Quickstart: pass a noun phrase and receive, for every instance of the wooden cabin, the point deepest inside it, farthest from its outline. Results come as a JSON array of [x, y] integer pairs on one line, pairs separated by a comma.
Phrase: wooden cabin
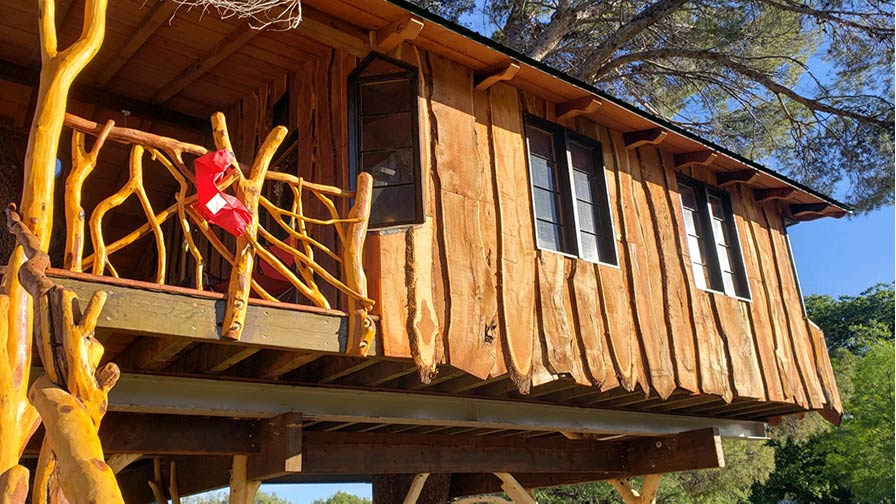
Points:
[[457, 260]]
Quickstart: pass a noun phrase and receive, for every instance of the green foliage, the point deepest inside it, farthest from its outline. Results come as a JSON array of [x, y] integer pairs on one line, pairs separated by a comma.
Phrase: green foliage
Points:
[[342, 498], [861, 450], [852, 322]]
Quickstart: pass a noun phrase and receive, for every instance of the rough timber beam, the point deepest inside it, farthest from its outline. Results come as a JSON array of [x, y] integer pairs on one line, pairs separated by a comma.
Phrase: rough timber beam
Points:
[[725, 179], [687, 451], [164, 394], [653, 136], [777, 193], [279, 447], [699, 158], [222, 50], [391, 36], [174, 435], [581, 106], [154, 19], [488, 77]]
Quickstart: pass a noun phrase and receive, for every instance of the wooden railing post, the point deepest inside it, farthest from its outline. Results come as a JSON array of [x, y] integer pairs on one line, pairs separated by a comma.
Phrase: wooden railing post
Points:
[[248, 192], [83, 162], [361, 329]]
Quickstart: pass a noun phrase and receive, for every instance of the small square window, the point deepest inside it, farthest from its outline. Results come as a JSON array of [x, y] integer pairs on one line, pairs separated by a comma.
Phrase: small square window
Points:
[[384, 138], [712, 238], [569, 194]]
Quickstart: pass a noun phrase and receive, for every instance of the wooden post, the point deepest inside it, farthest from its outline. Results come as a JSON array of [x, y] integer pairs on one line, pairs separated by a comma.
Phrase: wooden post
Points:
[[18, 419], [416, 487], [242, 489], [72, 397], [248, 192], [83, 162], [649, 488], [513, 489], [361, 329]]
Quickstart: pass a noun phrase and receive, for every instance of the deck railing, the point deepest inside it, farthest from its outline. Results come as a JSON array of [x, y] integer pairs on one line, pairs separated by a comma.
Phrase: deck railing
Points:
[[297, 243]]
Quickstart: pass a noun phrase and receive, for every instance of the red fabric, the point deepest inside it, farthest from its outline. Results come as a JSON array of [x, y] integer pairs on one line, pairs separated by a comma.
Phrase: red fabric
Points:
[[215, 206]]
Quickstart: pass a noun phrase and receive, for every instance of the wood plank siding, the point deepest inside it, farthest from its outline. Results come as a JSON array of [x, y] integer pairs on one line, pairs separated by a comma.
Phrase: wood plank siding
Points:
[[541, 316]]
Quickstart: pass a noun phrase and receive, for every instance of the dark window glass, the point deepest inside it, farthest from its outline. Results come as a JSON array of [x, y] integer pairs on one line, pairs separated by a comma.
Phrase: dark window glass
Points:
[[712, 239], [384, 140], [569, 192]]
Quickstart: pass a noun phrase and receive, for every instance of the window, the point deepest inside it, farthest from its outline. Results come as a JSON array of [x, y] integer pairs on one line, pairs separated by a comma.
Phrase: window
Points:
[[384, 140], [712, 239], [569, 192]]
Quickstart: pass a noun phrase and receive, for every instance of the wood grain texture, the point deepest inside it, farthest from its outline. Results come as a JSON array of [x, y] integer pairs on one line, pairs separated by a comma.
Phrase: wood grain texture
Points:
[[734, 324], [390, 289], [655, 180], [615, 304], [517, 243], [561, 352], [768, 282], [469, 345], [793, 308], [592, 326], [642, 267], [488, 221], [762, 328]]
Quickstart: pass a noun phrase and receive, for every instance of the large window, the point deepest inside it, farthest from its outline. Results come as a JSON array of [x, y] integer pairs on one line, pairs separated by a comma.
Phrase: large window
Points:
[[384, 140], [569, 193], [712, 239]]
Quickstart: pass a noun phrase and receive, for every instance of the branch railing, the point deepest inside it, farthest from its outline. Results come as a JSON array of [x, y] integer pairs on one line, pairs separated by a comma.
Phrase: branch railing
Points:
[[286, 232]]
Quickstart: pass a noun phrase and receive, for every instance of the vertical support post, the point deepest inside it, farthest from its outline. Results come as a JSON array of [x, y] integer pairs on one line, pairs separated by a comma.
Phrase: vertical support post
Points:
[[248, 192], [415, 489], [242, 489], [513, 489], [649, 488], [361, 329], [83, 162], [18, 418]]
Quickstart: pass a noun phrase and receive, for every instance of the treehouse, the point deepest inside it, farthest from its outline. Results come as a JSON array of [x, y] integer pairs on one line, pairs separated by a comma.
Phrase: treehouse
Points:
[[371, 247]]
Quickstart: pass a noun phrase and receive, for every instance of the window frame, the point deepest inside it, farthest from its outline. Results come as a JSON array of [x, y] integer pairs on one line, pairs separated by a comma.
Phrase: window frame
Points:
[[715, 283], [355, 119], [605, 237]]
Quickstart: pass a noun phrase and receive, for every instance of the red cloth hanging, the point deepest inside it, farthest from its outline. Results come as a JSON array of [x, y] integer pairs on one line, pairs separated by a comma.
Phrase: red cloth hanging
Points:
[[215, 206]]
